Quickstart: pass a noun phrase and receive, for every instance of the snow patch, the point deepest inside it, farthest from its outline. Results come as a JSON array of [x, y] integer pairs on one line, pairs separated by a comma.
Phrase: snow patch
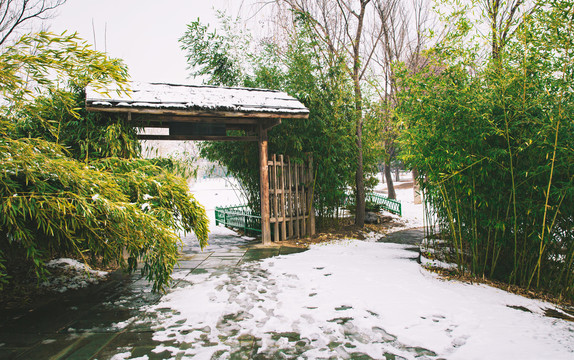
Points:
[[70, 274]]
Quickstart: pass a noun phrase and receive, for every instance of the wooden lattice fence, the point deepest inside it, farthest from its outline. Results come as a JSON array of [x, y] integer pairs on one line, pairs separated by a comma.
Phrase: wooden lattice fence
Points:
[[291, 198]]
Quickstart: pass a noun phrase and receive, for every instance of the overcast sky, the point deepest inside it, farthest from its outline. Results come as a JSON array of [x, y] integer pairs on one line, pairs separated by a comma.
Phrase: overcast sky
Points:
[[144, 33]]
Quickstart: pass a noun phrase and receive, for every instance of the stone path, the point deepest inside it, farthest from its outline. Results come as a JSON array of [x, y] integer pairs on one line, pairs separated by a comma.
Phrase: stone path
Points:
[[407, 237], [87, 323], [98, 322]]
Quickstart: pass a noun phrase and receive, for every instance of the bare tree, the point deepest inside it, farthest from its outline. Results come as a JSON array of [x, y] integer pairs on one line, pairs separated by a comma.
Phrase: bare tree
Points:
[[341, 25], [14, 14], [403, 25], [502, 17]]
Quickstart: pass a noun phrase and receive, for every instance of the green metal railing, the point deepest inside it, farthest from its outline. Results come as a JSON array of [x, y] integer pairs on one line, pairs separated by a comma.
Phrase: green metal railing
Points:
[[238, 217], [390, 205], [241, 217]]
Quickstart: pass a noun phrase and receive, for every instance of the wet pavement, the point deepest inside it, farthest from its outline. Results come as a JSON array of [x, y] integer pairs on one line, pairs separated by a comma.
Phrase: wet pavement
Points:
[[90, 323], [407, 237], [109, 319]]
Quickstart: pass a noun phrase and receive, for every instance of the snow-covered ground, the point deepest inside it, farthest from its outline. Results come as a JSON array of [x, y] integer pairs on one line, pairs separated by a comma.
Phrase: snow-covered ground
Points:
[[412, 216], [214, 192], [351, 298], [69, 274]]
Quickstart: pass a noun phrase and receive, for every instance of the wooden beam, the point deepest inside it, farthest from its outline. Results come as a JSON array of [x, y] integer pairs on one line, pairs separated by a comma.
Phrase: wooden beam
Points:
[[247, 128], [201, 113], [264, 187], [198, 137], [154, 118]]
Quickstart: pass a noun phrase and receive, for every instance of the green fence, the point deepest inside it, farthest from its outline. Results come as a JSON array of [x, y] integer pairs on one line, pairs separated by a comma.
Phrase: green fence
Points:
[[390, 205], [240, 217]]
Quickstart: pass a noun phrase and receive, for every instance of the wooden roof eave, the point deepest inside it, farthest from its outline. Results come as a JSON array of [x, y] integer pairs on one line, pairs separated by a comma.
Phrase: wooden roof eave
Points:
[[172, 106], [237, 115]]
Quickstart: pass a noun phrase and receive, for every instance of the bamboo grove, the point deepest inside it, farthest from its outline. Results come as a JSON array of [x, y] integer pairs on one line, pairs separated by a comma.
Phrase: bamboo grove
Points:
[[493, 143], [72, 183]]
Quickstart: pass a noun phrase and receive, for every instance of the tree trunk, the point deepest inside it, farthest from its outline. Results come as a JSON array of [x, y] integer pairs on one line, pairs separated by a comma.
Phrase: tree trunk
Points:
[[398, 174], [360, 184], [382, 167], [416, 188], [360, 210], [391, 194]]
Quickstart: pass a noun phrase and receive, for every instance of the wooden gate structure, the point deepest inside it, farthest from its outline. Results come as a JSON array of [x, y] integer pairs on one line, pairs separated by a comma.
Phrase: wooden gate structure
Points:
[[210, 113], [291, 198]]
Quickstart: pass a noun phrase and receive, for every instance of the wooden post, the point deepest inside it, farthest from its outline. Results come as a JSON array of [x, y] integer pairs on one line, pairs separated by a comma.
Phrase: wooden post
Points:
[[290, 210], [311, 228], [282, 206], [274, 202], [297, 203], [264, 186], [302, 181]]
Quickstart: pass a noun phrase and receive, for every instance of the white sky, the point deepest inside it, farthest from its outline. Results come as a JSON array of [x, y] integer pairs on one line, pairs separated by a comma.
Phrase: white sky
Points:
[[144, 33]]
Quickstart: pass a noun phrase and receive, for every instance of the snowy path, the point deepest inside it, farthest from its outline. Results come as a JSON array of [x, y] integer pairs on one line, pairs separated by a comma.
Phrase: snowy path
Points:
[[354, 299], [351, 299]]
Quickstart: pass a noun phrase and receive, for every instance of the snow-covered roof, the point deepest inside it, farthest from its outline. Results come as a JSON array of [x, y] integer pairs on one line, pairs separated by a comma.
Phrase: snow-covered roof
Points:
[[159, 98]]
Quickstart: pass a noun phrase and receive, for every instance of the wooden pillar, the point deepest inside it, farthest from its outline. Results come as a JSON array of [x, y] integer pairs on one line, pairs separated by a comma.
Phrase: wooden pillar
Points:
[[311, 181], [275, 200], [290, 207], [264, 186], [283, 202]]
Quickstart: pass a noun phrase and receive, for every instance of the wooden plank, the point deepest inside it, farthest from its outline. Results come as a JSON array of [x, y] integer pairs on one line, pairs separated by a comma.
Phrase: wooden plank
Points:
[[297, 216], [198, 137], [163, 118], [278, 191], [250, 130], [264, 186], [312, 194], [303, 201], [282, 202], [290, 197], [275, 203]]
